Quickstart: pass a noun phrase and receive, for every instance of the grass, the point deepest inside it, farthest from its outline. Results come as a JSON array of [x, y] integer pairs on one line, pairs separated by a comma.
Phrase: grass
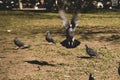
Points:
[[99, 30]]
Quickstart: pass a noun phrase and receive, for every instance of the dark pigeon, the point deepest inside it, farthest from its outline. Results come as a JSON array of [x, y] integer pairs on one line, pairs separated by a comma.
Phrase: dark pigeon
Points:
[[49, 38], [91, 52], [69, 27], [91, 77], [119, 69], [20, 44]]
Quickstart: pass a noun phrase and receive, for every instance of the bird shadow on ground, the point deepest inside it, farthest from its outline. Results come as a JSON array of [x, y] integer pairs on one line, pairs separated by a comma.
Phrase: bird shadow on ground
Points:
[[113, 37], [2, 57], [65, 44], [42, 63], [84, 57]]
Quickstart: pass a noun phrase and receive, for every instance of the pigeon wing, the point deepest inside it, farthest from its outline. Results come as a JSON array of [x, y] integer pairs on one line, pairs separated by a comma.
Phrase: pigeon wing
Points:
[[92, 52], [74, 20], [64, 19], [50, 39]]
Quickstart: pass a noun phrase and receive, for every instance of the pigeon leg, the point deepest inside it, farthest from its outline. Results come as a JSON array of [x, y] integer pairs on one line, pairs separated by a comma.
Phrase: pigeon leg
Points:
[[72, 43], [69, 43]]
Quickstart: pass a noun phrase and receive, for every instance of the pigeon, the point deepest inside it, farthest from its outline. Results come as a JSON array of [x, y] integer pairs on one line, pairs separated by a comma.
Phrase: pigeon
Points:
[[20, 44], [91, 77], [69, 27], [49, 38], [119, 68], [91, 52]]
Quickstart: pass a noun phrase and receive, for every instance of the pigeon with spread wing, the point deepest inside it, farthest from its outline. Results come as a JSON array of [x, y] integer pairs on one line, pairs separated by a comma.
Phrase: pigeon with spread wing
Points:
[[69, 26]]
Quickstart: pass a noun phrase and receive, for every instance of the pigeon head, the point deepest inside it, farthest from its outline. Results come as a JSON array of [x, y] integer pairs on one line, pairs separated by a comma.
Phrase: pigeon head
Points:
[[70, 25], [48, 32], [86, 45], [15, 38]]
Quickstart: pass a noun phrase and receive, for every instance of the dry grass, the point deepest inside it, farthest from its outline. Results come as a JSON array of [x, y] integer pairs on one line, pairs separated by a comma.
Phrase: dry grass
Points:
[[55, 62]]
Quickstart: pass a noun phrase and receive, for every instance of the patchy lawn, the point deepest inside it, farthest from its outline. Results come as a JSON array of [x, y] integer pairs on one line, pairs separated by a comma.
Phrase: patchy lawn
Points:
[[43, 61]]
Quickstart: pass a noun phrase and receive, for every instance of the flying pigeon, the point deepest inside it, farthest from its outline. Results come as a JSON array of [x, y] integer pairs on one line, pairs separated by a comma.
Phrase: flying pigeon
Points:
[[119, 69], [69, 27], [91, 77], [91, 52], [20, 44], [49, 38]]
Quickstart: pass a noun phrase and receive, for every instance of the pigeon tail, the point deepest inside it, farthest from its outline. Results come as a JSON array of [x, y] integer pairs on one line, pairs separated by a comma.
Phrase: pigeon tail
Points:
[[53, 42], [26, 46]]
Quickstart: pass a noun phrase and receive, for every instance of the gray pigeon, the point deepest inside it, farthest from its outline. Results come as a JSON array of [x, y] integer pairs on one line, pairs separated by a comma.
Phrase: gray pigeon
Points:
[[49, 38], [91, 77], [69, 27], [20, 44], [91, 52]]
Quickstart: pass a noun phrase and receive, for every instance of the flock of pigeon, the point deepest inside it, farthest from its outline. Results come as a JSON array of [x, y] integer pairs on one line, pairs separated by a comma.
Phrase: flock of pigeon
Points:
[[69, 30]]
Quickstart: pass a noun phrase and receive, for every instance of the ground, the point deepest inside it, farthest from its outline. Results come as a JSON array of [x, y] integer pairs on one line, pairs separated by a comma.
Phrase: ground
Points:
[[43, 61]]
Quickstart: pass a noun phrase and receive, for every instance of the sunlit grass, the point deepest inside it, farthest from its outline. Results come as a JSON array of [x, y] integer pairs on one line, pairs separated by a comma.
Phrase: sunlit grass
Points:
[[99, 30]]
